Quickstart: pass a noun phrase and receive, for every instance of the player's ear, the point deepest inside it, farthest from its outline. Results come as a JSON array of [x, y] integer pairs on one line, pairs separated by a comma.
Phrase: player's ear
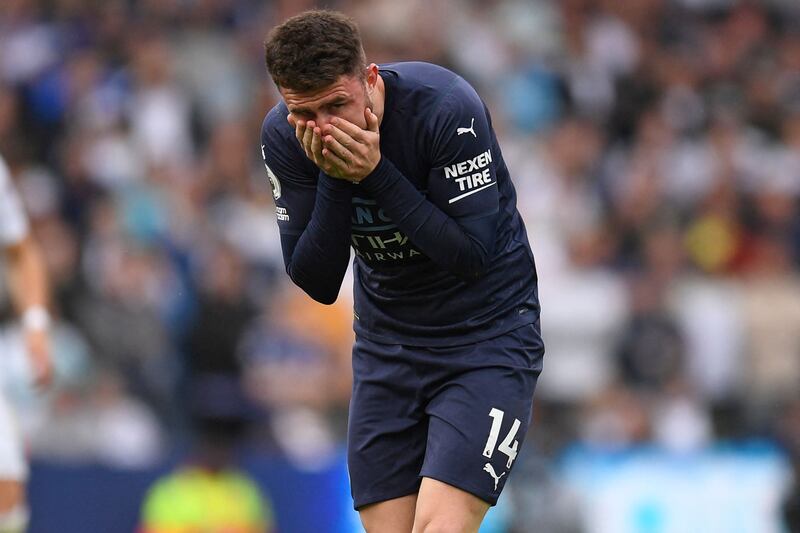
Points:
[[372, 76]]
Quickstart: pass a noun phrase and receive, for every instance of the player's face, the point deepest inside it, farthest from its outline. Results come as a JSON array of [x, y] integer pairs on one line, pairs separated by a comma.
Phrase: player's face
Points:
[[345, 98]]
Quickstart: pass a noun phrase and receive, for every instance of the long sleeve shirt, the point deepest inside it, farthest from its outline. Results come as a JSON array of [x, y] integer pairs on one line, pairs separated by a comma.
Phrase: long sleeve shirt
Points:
[[441, 252]]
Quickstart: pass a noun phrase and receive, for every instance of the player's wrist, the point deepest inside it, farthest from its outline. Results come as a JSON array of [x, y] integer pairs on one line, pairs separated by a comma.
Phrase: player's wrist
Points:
[[369, 171], [334, 188], [374, 170], [36, 318], [379, 175]]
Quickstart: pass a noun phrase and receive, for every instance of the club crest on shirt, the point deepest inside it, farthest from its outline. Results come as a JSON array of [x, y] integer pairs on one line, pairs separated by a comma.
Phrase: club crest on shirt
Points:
[[273, 179]]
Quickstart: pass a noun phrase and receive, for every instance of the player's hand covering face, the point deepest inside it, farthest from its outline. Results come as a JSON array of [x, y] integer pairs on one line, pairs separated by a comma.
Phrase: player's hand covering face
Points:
[[337, 128], [341, 149], [351, 149]]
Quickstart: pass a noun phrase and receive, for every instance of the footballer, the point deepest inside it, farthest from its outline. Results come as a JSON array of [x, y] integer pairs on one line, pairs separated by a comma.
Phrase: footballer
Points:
[[25, 270], [399, 162]]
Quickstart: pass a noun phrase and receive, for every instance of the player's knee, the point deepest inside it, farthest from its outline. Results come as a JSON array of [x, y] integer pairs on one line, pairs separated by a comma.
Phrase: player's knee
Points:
[[442, 524]]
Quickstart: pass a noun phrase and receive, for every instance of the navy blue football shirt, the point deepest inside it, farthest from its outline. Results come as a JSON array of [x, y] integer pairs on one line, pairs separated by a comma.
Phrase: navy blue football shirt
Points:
[[441, 253]]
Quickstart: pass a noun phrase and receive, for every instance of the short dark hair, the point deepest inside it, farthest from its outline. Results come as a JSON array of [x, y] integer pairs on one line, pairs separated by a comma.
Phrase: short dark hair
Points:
[[313, 49]]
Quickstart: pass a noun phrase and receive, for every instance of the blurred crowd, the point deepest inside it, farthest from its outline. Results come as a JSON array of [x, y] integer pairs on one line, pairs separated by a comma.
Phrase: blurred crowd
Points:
[[655, 147]]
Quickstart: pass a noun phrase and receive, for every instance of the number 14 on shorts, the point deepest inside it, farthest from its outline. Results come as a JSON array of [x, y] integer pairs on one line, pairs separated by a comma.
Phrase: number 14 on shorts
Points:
[[509, 446]]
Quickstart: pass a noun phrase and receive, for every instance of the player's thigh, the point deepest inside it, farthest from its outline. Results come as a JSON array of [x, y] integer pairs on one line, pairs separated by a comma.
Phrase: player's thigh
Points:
[[389, 516], [479, 416], [442, 508], [387, 426]]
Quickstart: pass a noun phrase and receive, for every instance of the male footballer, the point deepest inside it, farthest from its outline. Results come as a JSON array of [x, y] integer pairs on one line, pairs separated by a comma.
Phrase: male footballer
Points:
[[25, 269], [400, 162]]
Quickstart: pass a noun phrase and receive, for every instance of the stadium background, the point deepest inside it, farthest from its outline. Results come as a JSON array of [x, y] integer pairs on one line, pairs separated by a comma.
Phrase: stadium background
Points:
[[655, 147]]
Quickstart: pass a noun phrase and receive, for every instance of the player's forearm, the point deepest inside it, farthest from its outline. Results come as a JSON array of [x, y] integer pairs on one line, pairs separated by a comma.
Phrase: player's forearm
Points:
[[27, 276], [318, 260], [462, 248]]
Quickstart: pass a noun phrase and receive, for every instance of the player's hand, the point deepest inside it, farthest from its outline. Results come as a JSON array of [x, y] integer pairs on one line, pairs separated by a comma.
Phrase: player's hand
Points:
[[37, 344], [309, 136], [349, 152]]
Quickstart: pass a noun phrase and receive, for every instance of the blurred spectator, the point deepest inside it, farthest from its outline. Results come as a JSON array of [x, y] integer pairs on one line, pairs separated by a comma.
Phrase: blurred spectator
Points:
[[709, 315], [195, 499], [160, 110], [681, 423], [298, 379], [95, 420], [209, 493], [772, 319], [616, 419], [651, 352], [540, 497], [222, 312], [120, 316]]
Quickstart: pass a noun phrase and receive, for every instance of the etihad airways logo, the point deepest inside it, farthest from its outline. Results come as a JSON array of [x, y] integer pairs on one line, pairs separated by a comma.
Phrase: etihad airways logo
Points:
[[376, 238], [472, 175]]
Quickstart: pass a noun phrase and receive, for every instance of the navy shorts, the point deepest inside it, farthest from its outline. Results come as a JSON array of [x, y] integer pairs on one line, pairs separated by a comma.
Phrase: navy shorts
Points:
[[457, 414]]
